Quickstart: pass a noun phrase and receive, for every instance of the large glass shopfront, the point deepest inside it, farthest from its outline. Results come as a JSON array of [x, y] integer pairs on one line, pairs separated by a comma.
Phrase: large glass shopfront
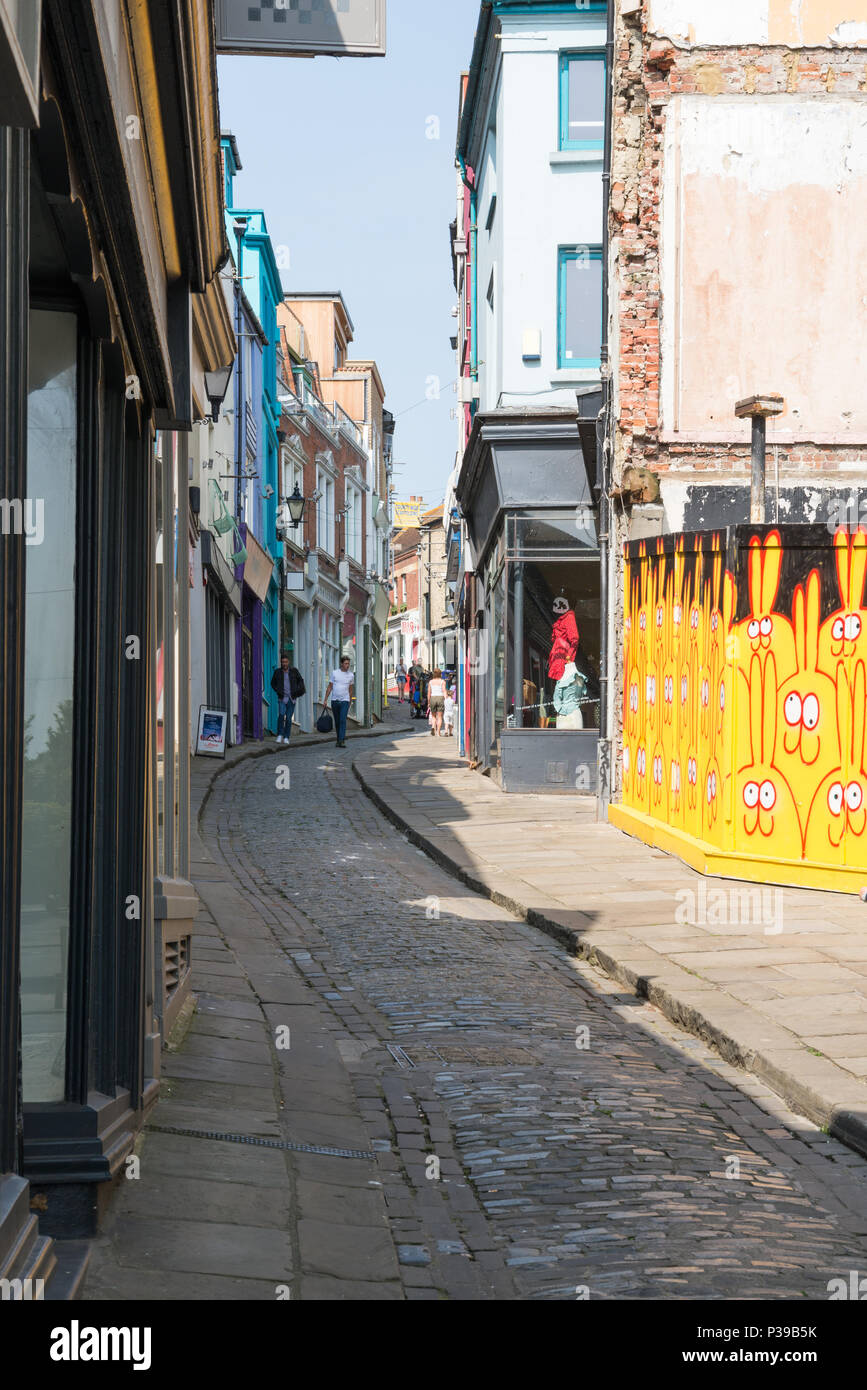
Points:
[[552, 580], [48, 702], [540, 695]]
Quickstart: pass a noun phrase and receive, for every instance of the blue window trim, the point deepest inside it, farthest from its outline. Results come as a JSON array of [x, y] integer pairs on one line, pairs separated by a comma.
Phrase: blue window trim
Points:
[[566, 59], [564, 256]]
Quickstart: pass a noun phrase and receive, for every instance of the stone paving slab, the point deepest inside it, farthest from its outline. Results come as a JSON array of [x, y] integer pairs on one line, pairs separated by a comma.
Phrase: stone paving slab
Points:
[[203, 1247], [770, 979]]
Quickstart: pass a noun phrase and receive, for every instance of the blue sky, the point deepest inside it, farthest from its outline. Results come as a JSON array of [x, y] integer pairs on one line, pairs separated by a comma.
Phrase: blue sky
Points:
[[337, 153]]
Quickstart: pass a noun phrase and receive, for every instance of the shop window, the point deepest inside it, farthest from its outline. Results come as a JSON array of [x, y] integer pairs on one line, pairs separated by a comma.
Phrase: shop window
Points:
[[48, 701], [553, 621], [582, 101], [580, 307]]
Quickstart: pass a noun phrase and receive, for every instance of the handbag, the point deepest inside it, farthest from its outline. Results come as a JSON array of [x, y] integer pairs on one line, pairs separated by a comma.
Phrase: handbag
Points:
[[325, 723]]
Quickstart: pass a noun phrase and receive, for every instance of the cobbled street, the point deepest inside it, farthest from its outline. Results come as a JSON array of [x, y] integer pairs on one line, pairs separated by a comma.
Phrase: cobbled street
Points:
[[539, 1133]]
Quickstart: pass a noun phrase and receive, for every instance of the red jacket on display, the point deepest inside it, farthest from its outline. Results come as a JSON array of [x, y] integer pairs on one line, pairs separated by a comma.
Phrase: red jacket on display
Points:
[[564, 645]]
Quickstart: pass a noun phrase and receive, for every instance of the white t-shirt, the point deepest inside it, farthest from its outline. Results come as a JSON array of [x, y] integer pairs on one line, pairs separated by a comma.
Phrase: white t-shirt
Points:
[[341, 681]]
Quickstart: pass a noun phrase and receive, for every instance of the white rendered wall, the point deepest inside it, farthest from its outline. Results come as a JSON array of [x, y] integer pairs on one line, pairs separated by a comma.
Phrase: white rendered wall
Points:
[[545, 199], [799, 23]]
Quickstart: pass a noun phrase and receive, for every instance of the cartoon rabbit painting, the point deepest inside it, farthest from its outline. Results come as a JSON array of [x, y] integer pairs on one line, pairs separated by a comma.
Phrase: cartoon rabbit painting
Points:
[[807, 714], [763, 631], [749, 733], [766, 813], [844, 632], [838, 811]]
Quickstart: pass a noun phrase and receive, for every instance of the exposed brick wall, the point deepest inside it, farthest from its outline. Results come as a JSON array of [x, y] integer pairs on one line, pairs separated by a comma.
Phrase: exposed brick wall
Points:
[[648, 73]]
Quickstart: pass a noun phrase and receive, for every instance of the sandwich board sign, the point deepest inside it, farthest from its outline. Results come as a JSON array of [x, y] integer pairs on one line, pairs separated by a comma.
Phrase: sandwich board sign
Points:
[[339, 28]]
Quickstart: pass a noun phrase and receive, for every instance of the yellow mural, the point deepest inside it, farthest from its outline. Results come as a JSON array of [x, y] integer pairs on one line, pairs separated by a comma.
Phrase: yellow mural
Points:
[[745, 684]]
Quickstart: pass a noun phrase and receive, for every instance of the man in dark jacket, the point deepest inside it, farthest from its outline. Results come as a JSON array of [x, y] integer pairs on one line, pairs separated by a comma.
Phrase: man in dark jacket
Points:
[[288, 685]]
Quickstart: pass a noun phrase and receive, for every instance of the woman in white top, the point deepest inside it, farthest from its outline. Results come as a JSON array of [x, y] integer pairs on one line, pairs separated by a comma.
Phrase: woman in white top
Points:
[[436, 697]]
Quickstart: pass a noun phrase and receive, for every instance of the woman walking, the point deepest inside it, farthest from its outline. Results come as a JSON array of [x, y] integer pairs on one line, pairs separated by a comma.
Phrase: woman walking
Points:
[[436, 694], [400, 678], [343, 684]]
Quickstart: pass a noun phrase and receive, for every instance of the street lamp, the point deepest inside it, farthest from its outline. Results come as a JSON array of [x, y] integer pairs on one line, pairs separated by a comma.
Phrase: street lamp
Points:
[[296, 504], [216, 386]]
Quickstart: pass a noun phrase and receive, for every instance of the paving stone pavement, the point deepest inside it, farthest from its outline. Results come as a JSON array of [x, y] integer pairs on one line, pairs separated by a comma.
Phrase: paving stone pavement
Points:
[[775, 978], [536, 1132]]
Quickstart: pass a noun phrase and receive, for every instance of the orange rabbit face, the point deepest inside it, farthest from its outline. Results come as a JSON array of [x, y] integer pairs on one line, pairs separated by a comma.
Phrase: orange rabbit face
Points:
[[627, 769]]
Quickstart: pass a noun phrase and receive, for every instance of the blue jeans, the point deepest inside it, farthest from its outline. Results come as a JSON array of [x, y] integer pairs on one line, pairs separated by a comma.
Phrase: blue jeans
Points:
[[285, 710], [340, 709]]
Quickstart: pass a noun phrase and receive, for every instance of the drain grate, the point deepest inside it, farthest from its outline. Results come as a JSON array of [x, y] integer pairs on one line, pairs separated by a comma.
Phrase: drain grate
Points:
[[448, 1054], [402, 1058], [262, 1143]]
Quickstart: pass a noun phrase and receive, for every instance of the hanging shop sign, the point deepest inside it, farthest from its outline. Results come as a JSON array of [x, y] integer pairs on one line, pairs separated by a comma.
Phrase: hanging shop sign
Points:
[[258, 566], [339, 28]]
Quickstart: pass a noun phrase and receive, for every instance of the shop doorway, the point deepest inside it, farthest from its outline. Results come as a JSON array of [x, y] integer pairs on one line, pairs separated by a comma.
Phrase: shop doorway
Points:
[[247, 729]]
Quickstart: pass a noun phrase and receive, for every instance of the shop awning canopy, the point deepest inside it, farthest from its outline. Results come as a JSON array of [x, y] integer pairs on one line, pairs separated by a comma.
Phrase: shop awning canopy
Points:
[[532, 458]]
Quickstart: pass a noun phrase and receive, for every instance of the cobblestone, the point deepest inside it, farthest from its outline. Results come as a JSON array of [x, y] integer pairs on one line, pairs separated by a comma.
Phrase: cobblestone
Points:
[[602, 1153]]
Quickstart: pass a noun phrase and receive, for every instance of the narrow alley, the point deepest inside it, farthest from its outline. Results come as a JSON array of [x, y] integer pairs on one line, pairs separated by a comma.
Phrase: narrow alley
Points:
[[494, 1149]]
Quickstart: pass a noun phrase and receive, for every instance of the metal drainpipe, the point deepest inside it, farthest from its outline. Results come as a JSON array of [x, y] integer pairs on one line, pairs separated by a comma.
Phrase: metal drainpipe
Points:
[[240, 385], [603, 446], [474, 283]]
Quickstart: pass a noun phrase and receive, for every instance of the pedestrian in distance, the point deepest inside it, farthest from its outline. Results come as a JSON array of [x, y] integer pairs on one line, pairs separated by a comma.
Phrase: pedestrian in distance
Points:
[[449, 714], [342, 683], [436, 694], [400, 678], [288, 685]]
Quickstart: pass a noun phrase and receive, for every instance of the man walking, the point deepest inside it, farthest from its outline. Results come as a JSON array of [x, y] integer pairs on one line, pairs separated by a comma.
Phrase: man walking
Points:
[[288, 685], [343, 684]]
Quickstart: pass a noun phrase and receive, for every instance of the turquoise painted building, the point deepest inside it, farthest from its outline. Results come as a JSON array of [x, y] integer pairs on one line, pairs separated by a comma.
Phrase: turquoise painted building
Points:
[[260, 286]]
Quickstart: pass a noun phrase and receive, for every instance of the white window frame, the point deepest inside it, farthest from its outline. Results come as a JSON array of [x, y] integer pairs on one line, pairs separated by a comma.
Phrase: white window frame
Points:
[[354, 538], [325, 518]]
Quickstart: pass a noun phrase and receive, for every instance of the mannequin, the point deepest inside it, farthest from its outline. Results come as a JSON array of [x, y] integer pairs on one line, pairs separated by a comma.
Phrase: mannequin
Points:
[[568, 693], [564, 638]]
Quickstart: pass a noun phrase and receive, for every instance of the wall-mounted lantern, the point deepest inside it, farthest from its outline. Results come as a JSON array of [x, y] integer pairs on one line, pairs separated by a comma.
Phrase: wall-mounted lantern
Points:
[[216, 386]]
